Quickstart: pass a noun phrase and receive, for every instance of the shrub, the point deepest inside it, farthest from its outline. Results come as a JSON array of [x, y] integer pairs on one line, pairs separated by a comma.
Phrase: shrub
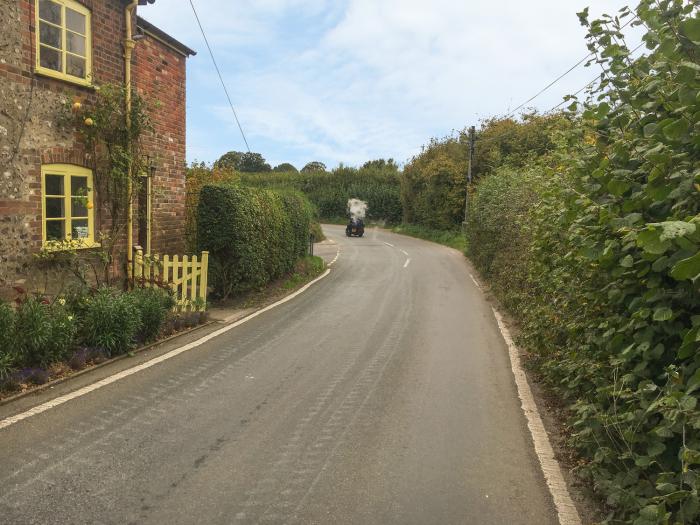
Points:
[[253, 235], [153, 305], [376, 183], [7, 355], [111, 321], [44, 333], [595, 249], [7, 329]]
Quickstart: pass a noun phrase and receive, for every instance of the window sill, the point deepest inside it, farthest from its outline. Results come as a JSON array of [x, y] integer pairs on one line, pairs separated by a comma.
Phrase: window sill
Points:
[[64, 246], [62, 76]]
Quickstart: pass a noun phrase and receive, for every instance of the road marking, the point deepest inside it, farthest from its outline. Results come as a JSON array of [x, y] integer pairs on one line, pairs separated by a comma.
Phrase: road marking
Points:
[[404, 252], [388, 244], [337, 254], [4, 423], [475, 281], [568, 515], [408, 261]]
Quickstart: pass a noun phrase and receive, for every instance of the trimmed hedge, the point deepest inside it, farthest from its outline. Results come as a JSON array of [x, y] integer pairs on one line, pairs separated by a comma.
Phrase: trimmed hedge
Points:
[[330, 191], [253, 235]]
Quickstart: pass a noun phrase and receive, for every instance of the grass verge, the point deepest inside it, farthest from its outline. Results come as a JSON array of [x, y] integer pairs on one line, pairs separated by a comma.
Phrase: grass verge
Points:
[[452, 238], [305, 270]]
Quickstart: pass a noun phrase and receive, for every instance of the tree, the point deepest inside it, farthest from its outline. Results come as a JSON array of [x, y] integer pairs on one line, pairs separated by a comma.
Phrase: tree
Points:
[[285, 167], [253, 163], [230, 160], [381, 164], [314, 166]]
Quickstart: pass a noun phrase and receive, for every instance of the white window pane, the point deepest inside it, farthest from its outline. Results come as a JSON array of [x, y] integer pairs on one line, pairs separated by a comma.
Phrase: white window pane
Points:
[[75, 43], [50, 58], [75, 21], [75, 66], [50, 11], [50, 35]]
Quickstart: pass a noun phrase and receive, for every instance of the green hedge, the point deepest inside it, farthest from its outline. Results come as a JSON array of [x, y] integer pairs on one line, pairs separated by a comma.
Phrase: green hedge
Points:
[[253, 235], [330, 191], [595, 250]]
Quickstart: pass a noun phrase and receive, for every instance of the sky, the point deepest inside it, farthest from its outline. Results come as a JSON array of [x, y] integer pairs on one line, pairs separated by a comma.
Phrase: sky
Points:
[[346, 81]]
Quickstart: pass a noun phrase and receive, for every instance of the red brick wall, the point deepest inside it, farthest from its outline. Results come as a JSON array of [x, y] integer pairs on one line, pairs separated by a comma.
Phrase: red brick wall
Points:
[[159, 75], [30, 103], [29, 135]]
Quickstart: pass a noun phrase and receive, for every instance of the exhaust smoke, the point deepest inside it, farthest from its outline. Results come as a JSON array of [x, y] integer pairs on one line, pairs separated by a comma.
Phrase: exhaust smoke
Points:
[[357, 208]]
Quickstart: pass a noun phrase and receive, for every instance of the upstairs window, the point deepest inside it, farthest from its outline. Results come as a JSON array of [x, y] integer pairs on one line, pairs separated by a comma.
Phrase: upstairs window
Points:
[[63, 47], [67, 203]]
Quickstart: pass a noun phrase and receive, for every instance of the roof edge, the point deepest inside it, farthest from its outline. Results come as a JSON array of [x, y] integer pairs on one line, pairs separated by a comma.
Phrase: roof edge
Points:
[[163, 37]]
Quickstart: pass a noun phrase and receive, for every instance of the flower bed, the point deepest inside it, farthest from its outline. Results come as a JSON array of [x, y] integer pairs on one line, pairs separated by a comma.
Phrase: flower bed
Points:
[[42, 338]]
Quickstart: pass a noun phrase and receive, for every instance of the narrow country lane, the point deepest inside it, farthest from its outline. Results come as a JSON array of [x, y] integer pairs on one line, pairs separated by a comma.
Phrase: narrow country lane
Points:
[[382, 395]]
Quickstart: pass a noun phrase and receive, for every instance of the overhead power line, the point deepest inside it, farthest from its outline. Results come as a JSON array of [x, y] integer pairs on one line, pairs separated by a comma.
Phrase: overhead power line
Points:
[[577, 64], [588, 85], [218, 72]]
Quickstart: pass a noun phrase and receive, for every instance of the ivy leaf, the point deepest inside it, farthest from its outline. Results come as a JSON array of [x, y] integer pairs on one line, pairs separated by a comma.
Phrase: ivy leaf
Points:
[[687, 268], [676, 129], [663, 313], [627, 261]]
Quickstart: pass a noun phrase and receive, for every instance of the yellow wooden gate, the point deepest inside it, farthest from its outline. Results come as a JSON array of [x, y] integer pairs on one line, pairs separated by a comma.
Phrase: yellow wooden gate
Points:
[[186, 277]]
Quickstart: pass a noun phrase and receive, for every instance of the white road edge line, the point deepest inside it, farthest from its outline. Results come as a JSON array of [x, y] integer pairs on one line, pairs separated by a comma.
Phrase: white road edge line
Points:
[[408, 261], [475, 281], [566, 510], [4, 423], [388, 244]]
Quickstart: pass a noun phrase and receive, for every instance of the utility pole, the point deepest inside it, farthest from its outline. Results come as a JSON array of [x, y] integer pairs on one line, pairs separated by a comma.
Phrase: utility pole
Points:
[[472, 137]]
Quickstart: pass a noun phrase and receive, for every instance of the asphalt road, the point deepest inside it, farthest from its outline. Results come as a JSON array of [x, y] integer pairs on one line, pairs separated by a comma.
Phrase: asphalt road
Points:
[[382, 395]]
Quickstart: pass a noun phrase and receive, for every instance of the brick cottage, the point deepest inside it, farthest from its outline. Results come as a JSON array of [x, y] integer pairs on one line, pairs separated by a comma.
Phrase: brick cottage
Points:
[[56, 51]]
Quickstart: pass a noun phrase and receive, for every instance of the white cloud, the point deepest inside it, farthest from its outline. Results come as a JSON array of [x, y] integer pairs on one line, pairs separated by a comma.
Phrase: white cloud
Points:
[[348, 81]]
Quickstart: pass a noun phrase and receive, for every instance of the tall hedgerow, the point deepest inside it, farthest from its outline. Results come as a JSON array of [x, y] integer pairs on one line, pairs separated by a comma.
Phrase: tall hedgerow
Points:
[[594, 248], [375, 183], [253, 235]]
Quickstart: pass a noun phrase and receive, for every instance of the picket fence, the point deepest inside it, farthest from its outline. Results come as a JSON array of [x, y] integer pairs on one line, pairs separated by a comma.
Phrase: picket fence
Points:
[[186, 277]]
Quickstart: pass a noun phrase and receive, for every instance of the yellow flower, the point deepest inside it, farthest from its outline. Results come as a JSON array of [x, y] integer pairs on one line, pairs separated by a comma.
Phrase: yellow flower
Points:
[[89, 121], [62, 301]]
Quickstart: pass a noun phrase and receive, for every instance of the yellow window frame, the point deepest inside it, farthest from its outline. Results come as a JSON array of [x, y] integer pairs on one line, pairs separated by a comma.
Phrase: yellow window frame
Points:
[[62, 75], [67, 171]]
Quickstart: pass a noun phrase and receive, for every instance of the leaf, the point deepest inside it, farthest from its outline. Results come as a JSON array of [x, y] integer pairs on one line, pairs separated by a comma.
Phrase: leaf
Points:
[[655, 448], [676, 129], [650, 241], [674, 229], [627, 261], [650, 129], [663, 313], [691, 29], [693, 382], [618, 187], [687, 268]]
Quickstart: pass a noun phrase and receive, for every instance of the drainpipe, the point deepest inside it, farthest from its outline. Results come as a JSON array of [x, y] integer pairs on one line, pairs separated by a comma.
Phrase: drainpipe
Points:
[[129, 44]]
